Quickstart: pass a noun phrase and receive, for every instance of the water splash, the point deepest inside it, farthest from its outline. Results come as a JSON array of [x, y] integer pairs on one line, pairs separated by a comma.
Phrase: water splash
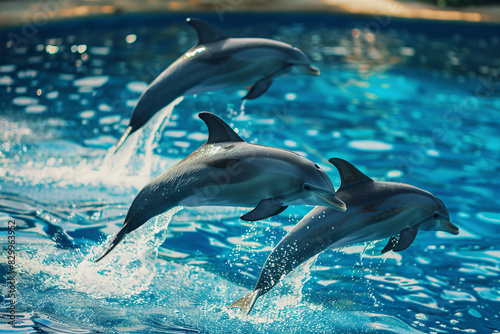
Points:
[[117, 162], [242, 106], [125, 272]]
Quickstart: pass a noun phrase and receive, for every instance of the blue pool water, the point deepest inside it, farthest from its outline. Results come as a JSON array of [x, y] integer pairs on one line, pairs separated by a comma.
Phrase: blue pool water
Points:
[[406, 101]]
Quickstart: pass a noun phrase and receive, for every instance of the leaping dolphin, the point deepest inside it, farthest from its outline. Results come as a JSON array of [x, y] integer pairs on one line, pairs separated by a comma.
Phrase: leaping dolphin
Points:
[[375, 210], [217, 62], [226, 170]]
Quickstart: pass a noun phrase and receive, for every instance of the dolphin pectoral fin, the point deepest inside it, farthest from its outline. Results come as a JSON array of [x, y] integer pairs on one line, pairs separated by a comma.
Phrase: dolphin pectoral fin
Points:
[[405, 239], [390, 245], [246, 303], [114, 242], [266, 208], [259, 88], [283, 208], [122, 139], [402, 242]]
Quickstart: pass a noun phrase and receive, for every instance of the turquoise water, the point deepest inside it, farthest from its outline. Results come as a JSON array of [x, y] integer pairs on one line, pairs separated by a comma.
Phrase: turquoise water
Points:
[[410, 101]]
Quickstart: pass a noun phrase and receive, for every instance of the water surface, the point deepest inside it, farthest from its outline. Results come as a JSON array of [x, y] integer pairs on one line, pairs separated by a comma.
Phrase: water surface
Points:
[[410, 102]]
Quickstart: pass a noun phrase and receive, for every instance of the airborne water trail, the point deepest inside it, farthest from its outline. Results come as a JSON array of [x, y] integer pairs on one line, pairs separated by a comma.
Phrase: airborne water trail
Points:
[[116, 162]]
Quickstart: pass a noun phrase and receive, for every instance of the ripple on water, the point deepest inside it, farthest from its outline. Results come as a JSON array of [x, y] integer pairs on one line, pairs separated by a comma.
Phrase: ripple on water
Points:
[[489, 217], [49, 325], [183, 144], [394, 173], [86, 114], [198, 136], [7, 68], [113, 119], [99, 50], [27, 74], [458, 296], [95, 81], [52, 95], [6, 80], [370, 145], [66, 77], [36, 109], [475, 313], [174, 133], [398, 280], [104, 107], [488, 294], [24, 101], [420, 298], [137, 86], [473, 268]]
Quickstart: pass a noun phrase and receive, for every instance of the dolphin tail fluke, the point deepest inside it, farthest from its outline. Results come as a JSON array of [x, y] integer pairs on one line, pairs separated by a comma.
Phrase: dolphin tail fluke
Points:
[[246, 303], [114, 242], [122, 139]]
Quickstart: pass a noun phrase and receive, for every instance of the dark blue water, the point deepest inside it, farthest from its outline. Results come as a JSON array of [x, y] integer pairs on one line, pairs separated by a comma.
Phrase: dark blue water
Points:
[[411, 102]]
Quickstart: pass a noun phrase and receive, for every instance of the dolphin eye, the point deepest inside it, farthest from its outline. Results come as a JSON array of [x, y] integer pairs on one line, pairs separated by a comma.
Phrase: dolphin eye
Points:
[[315, 165], [306, 187], [435, 215]]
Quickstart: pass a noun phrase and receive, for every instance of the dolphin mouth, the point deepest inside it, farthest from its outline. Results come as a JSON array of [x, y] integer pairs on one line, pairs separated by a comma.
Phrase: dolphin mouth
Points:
[[449, 227], [308, 69], [333, 202]]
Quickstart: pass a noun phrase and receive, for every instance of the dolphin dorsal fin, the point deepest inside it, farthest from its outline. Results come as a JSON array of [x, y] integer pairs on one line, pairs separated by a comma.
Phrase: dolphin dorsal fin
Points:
[[207, 33], [348, 173], [218, 130]]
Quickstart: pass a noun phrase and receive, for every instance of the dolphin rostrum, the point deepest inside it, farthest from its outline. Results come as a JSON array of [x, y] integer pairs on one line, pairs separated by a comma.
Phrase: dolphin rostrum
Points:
[[375, 210], [217, 62], [226, 170]]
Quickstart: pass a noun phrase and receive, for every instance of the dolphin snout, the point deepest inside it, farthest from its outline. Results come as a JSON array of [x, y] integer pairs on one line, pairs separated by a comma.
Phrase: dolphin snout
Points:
[[449, 227], [308, 69], [331, 201]]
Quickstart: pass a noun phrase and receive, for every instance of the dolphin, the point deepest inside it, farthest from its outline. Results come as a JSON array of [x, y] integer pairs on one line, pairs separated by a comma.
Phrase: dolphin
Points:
[[217, 62], [375, 210], [226, 170]]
